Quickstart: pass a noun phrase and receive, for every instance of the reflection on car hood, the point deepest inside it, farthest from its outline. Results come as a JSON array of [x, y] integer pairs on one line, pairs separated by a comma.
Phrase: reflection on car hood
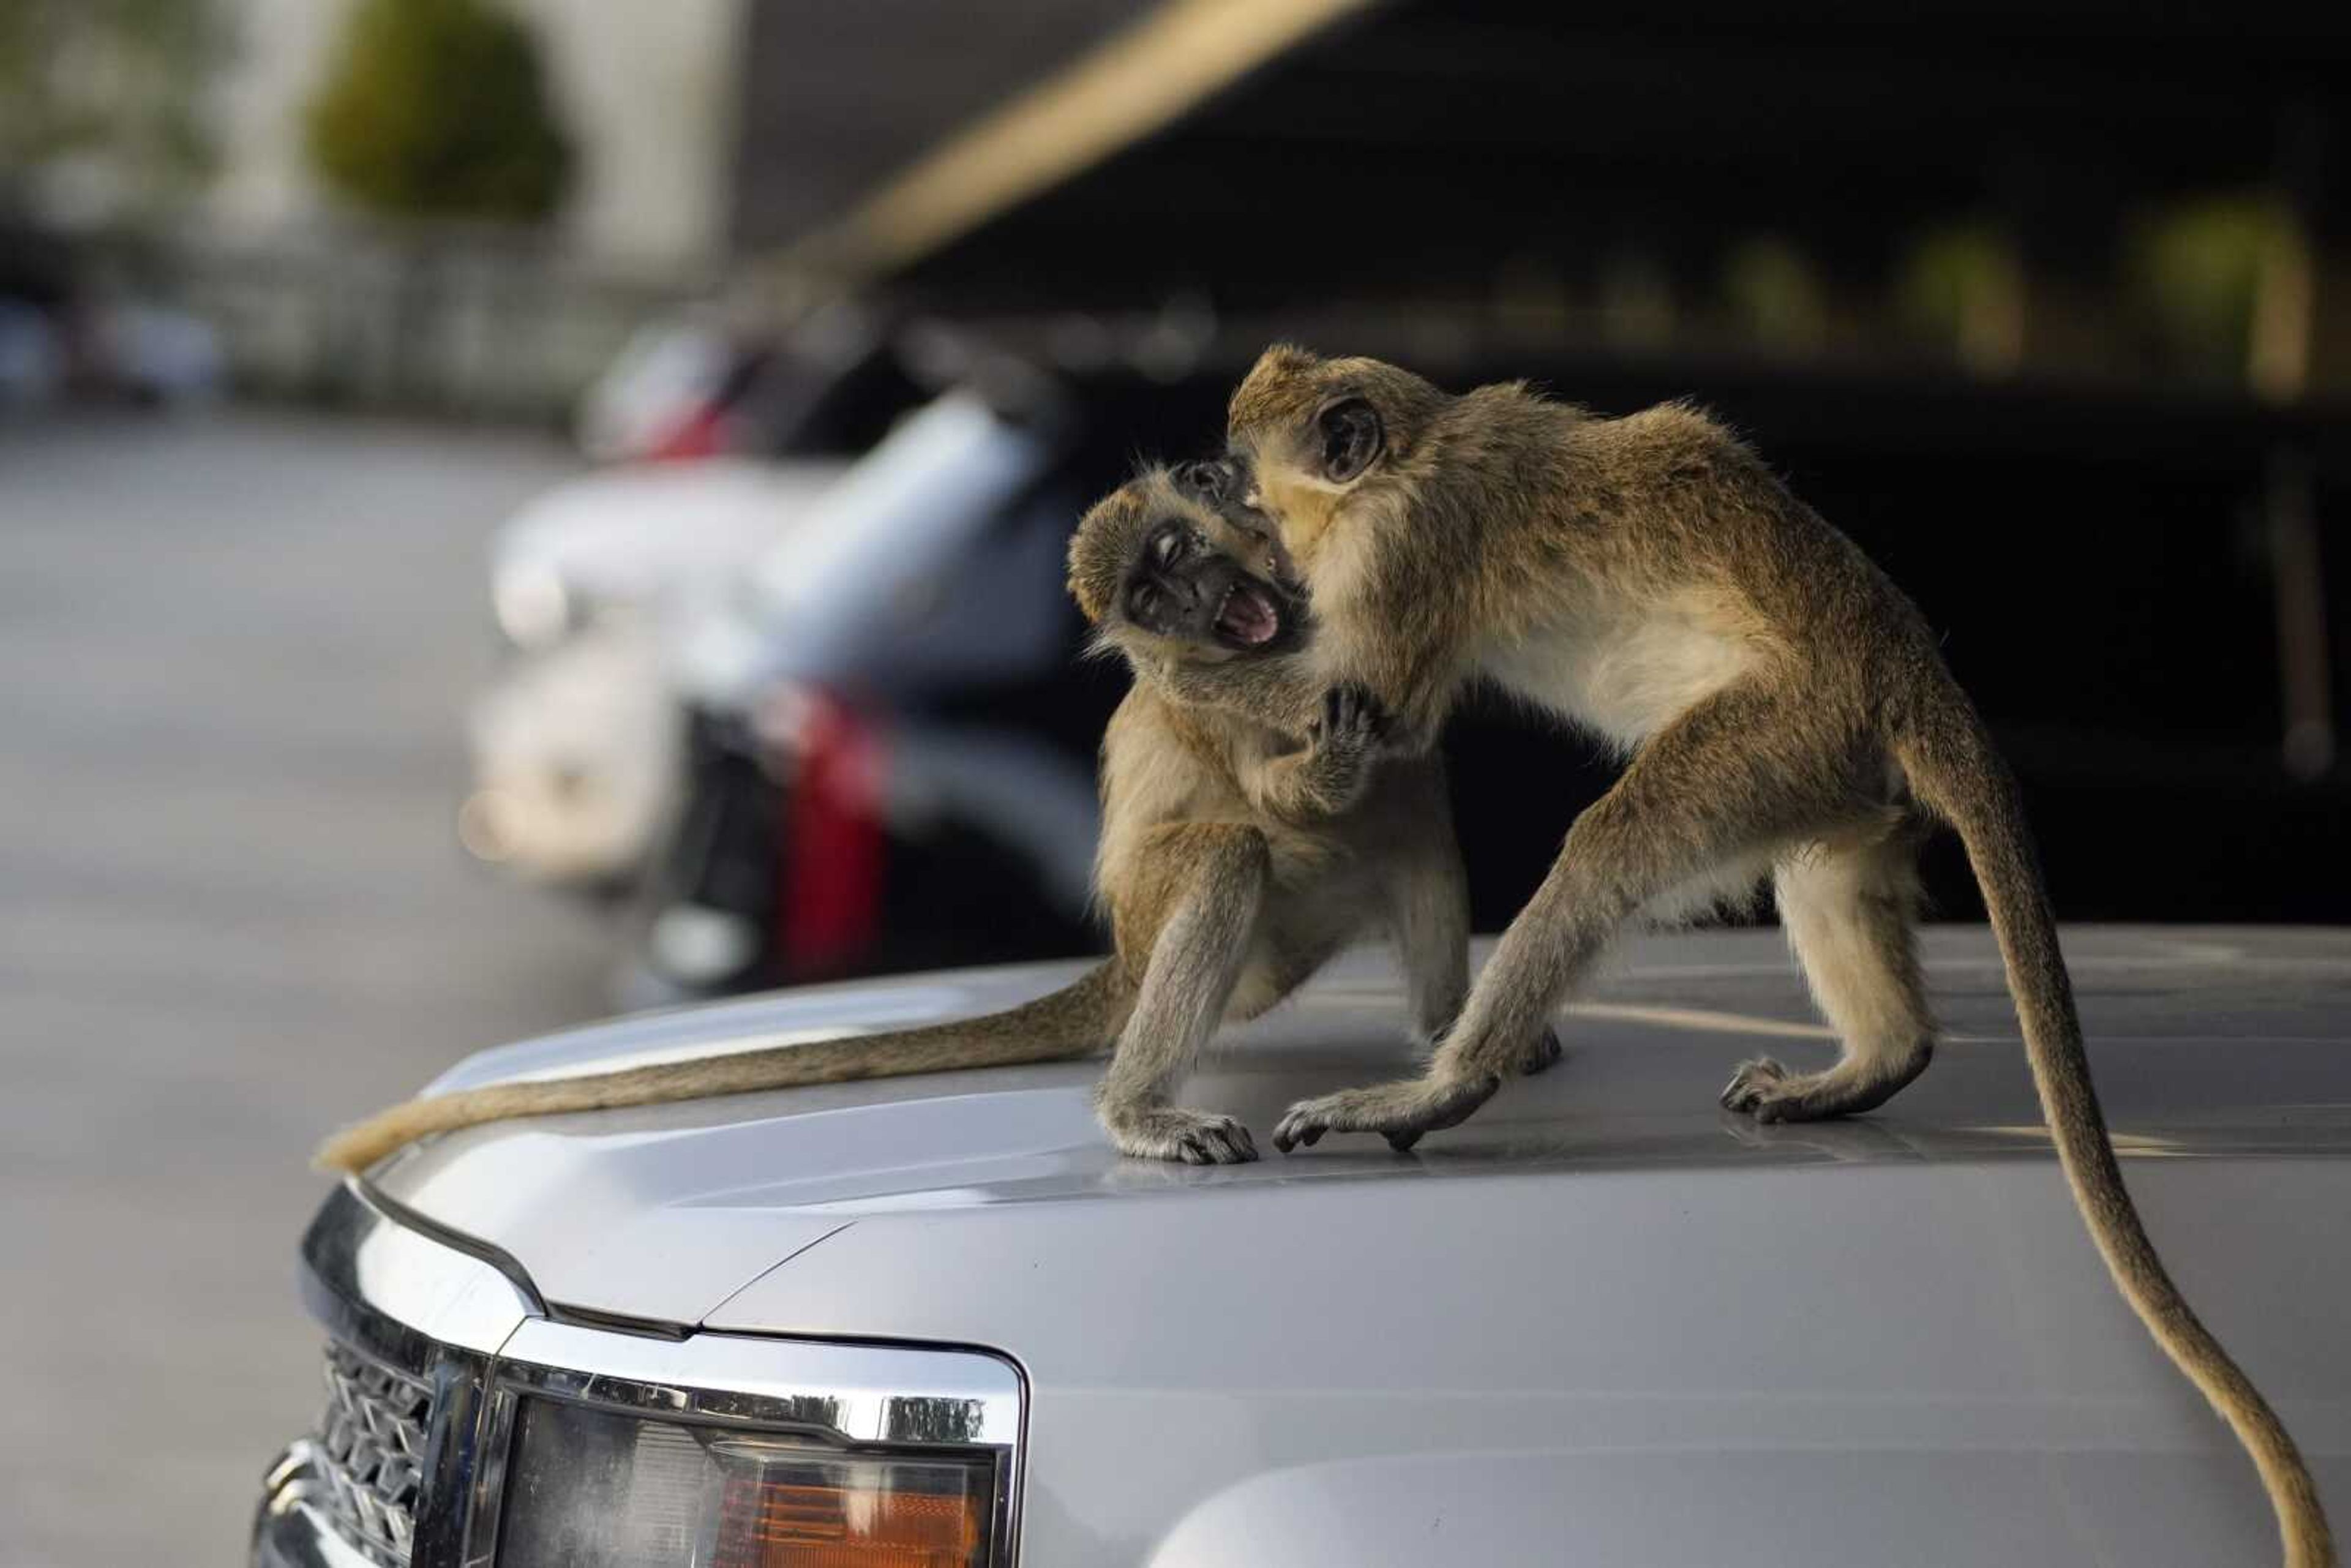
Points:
[[2209, 1043]]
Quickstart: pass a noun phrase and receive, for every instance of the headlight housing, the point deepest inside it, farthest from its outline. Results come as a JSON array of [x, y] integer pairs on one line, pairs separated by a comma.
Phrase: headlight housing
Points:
[[469, 1422], [592, 1489]]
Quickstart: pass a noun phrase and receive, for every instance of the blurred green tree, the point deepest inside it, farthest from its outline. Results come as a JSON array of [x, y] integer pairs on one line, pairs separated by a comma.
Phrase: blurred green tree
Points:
[[1775, 294], [438, 108], [1962, 285], [2196, 271], [117, 83]]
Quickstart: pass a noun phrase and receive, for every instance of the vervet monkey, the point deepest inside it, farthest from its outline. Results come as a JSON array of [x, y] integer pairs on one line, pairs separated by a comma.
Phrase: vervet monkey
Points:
[[1234, 860], [1783, 708]]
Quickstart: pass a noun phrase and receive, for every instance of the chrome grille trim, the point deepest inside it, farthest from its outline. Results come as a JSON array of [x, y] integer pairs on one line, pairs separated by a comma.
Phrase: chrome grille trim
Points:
[[370, 1454], [417, 1316]]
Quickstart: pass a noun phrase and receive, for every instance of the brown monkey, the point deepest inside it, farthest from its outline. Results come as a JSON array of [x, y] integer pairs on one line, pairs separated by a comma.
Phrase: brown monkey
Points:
[[1236, 861], [1233, 860], [1783, 708]]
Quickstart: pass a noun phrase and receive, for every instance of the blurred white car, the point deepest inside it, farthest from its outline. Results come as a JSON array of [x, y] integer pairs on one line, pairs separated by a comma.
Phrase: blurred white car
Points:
[[577, 745], [646, 540], [576, 756]]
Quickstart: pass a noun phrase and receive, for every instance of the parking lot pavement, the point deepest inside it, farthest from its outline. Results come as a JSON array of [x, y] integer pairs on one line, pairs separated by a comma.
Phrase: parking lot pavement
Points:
[[233, 650]]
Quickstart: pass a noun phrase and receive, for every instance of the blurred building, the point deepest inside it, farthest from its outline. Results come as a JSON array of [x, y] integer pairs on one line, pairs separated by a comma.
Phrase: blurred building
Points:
[[218, 207]]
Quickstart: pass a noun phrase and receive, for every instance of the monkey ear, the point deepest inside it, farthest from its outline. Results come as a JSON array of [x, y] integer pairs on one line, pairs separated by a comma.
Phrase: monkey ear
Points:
[[1352, 438], [1086, 570], [1208, 479]]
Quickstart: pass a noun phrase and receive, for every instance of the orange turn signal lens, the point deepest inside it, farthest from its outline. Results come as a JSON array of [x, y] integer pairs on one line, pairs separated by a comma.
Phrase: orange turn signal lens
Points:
[[909, 1522], [599, 1489]]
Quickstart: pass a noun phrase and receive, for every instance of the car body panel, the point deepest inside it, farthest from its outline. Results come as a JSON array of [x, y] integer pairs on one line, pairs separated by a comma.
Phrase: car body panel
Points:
[[630, 535], [1602, 1317]]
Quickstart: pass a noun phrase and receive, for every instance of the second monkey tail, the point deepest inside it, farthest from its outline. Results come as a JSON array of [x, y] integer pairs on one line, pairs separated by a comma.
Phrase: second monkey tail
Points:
[[1956, 772], [1076, 1020]]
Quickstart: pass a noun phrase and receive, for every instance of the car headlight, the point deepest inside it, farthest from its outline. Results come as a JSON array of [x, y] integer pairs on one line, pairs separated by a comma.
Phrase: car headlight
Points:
[[591, 1489], [463, 1424]]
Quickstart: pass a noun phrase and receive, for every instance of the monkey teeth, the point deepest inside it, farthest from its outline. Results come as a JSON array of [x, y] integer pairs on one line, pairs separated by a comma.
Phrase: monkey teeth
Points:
[[1248, 616]]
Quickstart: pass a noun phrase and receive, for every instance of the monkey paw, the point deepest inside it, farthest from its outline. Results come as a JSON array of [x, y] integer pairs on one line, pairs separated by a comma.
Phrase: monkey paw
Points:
[[1401, 1112], [1351, 715], [1172, 1133], [1545, 1053], [1769, 1092], [1752, 1083]]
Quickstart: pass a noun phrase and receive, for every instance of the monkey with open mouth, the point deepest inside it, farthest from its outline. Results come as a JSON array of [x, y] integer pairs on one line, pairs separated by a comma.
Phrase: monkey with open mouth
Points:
[[1236, 858]]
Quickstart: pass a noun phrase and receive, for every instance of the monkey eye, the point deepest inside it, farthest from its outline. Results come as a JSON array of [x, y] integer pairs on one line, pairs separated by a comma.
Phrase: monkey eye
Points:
[[1143, 600], [1167, 545]]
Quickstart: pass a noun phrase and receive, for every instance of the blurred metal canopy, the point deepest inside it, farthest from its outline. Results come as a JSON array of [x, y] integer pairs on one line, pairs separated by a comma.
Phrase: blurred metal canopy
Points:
[[1139, 80], [1068, 154]]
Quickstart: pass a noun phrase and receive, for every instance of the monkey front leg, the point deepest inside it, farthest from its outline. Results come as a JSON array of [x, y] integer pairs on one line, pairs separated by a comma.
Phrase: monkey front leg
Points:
[[1429, 910], [1277, 690], [1329, 776], [1286, 690], [1203, 945]]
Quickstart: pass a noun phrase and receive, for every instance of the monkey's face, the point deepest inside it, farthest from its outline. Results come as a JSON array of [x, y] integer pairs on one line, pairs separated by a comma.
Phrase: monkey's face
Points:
[[1174, 563], [1184, 588]]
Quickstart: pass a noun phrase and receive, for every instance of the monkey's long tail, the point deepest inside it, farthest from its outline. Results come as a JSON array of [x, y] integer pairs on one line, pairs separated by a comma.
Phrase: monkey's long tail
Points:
[[1079, 1018], [1956, 773]]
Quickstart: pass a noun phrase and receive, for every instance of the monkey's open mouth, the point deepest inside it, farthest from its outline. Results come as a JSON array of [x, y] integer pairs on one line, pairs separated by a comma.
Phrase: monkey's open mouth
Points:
[[1249, 617]]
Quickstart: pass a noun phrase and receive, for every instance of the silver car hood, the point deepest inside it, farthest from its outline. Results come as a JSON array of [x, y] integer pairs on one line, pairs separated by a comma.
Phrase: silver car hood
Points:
[[1600, 1263]]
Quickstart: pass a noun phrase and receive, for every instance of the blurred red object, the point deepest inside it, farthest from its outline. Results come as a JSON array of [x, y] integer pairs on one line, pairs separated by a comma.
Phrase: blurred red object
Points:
[[701, 433], [834, 843]]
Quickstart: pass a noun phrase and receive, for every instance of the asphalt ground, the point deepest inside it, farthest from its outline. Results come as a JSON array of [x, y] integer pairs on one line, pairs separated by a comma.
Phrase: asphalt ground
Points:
[[235, 650]]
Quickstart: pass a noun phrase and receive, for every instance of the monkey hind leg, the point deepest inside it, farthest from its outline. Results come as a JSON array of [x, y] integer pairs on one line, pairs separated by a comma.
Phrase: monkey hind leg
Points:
[[1428, 900], [1425, 892], [1281, 961], [1850, 912], [1738, 775]]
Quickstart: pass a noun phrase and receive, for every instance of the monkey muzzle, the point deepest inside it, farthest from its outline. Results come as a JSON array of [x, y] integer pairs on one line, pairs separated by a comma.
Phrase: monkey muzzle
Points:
[[1249, 617]]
